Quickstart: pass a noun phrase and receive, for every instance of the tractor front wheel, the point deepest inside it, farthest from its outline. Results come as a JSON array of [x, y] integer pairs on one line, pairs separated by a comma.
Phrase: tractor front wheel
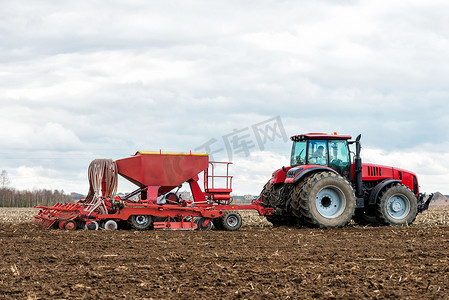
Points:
[[326, 200], [397, 205]]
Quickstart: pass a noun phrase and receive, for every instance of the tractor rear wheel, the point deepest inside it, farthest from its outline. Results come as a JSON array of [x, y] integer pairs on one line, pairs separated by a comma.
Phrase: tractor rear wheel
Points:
[[397, 205], [265, 194], [231, 220], [140, 222], [326, 199], [271, 194]]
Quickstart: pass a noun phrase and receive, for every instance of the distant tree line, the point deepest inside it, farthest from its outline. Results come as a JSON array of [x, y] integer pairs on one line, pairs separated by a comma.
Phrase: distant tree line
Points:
[[13, 198], [10, 197]]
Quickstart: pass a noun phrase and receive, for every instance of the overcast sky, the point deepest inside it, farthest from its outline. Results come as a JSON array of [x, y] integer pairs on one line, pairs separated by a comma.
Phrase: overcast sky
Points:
[[81, 80]]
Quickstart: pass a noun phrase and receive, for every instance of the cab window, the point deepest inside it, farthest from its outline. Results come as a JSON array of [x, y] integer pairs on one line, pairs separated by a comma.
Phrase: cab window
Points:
[[298, 153], [317, 153], [339, 157]]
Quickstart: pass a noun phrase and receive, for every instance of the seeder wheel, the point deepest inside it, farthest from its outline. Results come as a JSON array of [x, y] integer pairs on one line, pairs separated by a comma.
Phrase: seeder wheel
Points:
[[110, 225], [140, 222], [69, 225], [231, 221], [91, 226], [201, 226]]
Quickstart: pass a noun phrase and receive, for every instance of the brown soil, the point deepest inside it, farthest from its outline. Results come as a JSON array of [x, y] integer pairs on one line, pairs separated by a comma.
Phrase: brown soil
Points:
[[254, 262]]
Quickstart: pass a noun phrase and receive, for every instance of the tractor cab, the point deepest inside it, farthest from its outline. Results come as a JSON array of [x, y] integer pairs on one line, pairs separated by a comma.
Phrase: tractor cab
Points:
[[322, 149]]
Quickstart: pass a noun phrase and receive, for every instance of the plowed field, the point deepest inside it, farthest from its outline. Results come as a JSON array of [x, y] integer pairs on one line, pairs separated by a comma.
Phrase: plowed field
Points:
[[258, 261]]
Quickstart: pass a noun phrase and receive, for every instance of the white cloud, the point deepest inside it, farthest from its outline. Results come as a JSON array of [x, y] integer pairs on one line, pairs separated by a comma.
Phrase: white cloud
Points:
[[32, 178], [252, 172], [35, 137], [81, 80]]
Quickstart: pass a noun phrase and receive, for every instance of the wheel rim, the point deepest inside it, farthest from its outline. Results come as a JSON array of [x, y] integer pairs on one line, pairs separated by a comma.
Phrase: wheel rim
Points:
[[110, 225], [330, 202], [232, 221], [69, 225], [398, 206], [92, 226], [142, 220]]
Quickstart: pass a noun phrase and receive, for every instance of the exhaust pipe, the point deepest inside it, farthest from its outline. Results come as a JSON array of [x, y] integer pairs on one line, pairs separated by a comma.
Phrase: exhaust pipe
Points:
[[358, 168]]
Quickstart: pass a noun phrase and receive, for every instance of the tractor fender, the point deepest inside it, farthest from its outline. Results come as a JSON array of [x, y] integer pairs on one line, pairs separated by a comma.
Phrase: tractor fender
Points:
[[279, 175], [379, 187], [273, 176], [297, 173]]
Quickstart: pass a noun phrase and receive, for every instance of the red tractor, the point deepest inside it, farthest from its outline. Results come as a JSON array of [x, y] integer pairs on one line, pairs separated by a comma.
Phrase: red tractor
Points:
[[324, 187]]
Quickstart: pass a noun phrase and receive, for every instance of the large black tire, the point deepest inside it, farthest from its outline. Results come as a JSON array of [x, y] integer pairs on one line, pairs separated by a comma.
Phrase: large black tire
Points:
[[397, 205], [231, 220], [295, 199], [276, 195], [271, 194], [366, 216], [326, 200], [265, 194], [140, 222]]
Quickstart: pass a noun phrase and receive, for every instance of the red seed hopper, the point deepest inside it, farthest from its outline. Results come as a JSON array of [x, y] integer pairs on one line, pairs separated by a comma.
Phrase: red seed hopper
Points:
[[161, 171]]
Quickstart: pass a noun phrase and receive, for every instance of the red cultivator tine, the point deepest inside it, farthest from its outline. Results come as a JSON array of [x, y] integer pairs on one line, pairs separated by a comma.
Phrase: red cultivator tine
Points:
[[61, 214]]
